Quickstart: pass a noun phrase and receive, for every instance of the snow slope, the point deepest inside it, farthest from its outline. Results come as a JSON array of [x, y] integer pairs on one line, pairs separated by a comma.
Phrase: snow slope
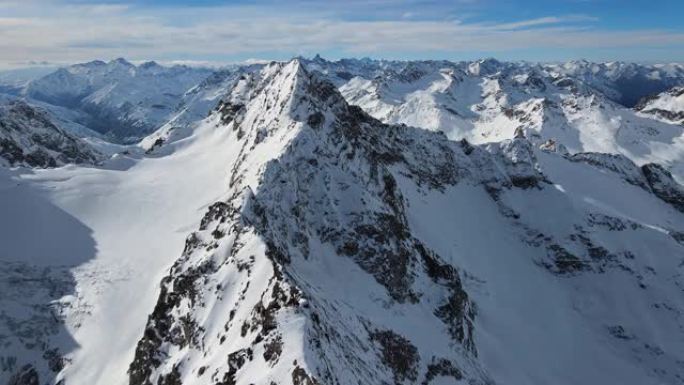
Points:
[[107, 236]]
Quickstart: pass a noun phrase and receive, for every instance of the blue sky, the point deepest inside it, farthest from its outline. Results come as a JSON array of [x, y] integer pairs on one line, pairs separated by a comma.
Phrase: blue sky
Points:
[[66, 31]]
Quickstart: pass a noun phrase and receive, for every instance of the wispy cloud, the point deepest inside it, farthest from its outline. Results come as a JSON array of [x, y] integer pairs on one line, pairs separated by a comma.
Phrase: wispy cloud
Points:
[[60, 31], [15, 22], [545, 21]]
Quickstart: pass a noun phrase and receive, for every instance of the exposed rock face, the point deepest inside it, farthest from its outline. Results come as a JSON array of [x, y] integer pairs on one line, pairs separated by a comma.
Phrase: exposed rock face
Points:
[[675, 117], [618, 164], [26, 376], [651, 177], [552, 145], [661, 183], [519, 161], [398, 354], [29, 138], [35, 302]]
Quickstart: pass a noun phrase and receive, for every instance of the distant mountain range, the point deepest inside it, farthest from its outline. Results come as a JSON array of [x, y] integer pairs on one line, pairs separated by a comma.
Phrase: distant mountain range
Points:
[[584, 106]]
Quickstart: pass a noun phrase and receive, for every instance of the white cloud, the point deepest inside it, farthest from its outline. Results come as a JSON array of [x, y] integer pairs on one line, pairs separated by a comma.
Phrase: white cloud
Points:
[[543, 21], [49, 30], [15, 22]]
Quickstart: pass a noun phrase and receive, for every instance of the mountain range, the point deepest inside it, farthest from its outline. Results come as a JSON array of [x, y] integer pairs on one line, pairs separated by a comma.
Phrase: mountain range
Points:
[[350, 222]]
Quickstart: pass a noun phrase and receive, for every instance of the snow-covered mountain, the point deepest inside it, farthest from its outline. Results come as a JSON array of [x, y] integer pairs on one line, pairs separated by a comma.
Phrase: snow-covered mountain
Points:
[[28, 137], [13, 81], [292, 238], [667, 106], [576, 104], [332, 221], [625, 83], [584, 106], [196, 104], [123, 101]]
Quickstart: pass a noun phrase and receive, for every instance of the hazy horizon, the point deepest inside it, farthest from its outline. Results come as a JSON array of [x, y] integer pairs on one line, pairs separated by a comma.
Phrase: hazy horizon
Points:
[[217, 65]]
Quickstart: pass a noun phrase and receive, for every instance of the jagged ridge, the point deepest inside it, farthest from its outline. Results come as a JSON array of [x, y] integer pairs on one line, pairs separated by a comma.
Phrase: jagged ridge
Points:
[[28, 137]]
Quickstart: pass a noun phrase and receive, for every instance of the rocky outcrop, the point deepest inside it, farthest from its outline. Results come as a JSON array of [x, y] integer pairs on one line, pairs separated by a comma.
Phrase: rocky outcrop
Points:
[[26, 376], [518, 161], [663, 185], [616, 163], [29, 138], [36, 301]]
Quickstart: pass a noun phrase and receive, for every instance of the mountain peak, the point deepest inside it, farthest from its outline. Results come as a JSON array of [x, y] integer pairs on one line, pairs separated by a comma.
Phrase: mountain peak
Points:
[[292, 81], [149, 64], [484, 67], [93, 64], [319, 59], [121, 62]]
